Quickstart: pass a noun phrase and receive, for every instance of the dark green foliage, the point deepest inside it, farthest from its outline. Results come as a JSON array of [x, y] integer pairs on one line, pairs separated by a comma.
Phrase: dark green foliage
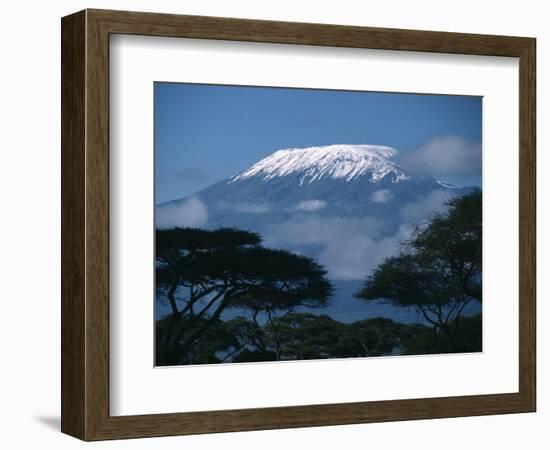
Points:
[[255, 356], [373, 337], [217, 338], [201, 273], [454, 240], [438, 272], [308, 336], [303, 336], [422, 340], [178, 240]]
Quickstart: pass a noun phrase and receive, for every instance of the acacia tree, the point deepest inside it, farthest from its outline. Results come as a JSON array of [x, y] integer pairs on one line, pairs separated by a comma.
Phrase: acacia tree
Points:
[[202, 273], [273, 313], [308, 336], [438, 271], [453, 239], [373, 337]]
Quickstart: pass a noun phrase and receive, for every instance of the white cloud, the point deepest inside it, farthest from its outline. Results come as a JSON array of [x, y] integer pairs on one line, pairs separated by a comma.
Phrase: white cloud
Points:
[[353, 257], [191, 212], [313, 229], [421, 209], [446, 156], [381, 196], [349, 248], [310, 205]]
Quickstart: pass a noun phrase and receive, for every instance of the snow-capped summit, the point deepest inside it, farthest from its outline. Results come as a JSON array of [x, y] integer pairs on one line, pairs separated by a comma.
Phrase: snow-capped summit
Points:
[[333, 161], [335, 181]]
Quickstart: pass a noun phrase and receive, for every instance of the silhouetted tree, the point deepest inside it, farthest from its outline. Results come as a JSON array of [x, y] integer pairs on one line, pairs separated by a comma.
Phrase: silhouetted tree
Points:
[[304, 336], [421, 340], [372, 337], [202, 273], [438, 272], [307, 336], [454, 239]]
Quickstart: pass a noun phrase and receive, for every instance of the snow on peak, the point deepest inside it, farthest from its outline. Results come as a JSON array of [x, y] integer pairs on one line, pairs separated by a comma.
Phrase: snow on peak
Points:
[[332, 161], [446, 185]]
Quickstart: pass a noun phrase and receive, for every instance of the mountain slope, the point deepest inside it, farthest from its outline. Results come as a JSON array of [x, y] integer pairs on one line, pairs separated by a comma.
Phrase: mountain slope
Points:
[[343, 180], [334, 161], [347, 206]]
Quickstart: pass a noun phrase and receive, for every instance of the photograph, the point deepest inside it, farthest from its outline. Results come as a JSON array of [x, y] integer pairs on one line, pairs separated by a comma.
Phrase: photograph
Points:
[[299, 224], [268, 225]]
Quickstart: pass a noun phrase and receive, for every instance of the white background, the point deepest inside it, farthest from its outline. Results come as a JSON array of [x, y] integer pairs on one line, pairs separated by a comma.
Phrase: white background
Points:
[[30, 236], [136, 387]]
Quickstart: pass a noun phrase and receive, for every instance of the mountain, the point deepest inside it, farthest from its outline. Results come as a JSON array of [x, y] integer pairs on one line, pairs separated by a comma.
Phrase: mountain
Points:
[[348, 206], [334, 161], [343, 180]]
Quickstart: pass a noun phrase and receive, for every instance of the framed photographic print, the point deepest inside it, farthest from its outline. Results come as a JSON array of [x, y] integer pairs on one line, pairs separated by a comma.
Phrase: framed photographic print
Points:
[[270, 224]]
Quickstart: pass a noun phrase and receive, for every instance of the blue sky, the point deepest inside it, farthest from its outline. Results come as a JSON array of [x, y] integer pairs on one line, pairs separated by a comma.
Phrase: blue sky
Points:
[[205, 133]]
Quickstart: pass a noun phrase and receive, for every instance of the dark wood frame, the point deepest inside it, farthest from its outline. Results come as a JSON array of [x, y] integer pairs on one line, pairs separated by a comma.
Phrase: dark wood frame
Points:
[[85, 224]]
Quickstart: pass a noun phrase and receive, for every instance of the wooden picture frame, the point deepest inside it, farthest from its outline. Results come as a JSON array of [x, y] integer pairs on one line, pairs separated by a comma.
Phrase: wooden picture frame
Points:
[[85, 224]]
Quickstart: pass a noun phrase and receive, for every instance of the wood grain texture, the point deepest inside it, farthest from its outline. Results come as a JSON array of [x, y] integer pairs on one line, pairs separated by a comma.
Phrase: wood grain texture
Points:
[[527, 224], [73, 109], [85, 224], [97, 225], [152, 24]]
